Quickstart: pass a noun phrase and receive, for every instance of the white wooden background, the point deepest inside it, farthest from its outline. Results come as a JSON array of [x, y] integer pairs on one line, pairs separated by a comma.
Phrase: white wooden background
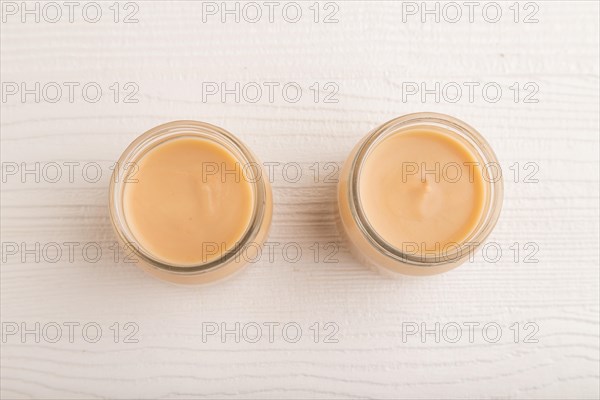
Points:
[[369, 53]]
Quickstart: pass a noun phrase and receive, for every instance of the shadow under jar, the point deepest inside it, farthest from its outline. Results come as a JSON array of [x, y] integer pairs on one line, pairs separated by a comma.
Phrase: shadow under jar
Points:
[[190, 203], [419, 194]]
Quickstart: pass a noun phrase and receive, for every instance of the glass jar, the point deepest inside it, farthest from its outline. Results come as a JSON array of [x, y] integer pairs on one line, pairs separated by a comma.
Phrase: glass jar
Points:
[[367, 245], [228, 261]]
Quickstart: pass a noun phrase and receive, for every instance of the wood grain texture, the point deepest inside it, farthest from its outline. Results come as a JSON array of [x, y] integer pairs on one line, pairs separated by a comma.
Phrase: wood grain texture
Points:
[[369, 54]]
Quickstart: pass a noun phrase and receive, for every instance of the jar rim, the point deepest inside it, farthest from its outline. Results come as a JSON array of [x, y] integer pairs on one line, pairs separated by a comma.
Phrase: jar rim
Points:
[[171, 131], [491, 210]]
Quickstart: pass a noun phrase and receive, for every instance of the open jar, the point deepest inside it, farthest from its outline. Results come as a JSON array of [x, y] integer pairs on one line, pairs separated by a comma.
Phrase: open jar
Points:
[[189, 202], [419, 194]]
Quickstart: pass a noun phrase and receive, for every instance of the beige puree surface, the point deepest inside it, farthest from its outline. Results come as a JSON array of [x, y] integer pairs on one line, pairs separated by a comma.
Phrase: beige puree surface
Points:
[[422, 187], [189, 201]]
